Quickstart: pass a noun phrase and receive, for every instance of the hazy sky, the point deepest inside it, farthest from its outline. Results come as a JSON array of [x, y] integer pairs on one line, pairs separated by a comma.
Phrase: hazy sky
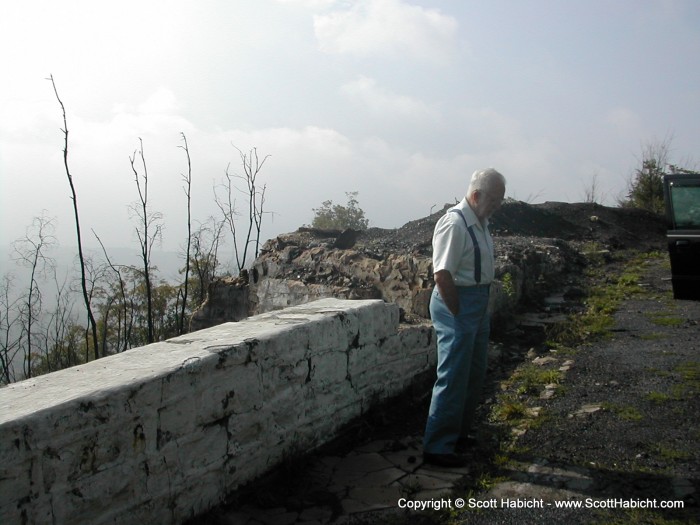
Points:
[[399, 100]]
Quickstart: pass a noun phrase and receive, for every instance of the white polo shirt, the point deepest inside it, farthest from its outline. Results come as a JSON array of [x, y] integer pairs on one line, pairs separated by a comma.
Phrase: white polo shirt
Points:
[[453, 248]]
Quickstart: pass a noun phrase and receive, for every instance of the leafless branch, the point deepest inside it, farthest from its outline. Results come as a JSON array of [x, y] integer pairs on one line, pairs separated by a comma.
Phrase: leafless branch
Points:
[[81, 257]]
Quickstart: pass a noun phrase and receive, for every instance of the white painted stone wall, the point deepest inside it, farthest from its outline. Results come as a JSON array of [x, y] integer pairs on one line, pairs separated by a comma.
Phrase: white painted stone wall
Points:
[[162, 433]]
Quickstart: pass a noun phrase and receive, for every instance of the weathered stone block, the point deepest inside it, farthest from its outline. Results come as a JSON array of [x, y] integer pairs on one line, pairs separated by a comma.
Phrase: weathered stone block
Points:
[[283, 380], [158, 434], [327, 369], [234, 391]]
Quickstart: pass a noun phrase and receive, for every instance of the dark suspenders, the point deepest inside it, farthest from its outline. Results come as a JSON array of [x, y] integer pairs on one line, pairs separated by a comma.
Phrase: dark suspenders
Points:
[[477, 250]]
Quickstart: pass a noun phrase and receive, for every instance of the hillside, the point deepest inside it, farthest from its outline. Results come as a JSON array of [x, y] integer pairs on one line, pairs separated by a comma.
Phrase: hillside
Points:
[[538, 249], [612, 228]]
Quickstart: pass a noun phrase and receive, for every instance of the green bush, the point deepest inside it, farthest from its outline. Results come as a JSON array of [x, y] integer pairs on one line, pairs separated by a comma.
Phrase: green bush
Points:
[[337, 217]]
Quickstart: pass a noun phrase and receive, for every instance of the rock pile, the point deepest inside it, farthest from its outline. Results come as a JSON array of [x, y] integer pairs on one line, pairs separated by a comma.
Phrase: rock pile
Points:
[[538, 251]]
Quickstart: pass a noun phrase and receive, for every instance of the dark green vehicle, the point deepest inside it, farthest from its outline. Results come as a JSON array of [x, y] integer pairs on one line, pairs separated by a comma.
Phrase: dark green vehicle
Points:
[[682, 196]]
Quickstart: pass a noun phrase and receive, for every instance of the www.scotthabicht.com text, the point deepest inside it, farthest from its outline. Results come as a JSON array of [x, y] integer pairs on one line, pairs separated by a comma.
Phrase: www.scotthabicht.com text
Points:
[[538, 503]]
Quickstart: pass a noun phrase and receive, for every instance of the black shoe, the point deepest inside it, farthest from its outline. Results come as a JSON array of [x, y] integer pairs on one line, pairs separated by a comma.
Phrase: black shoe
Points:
[[444, 460]]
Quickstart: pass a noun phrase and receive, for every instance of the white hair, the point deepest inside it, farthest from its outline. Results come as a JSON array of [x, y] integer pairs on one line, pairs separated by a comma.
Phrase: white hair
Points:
[[485, 179]]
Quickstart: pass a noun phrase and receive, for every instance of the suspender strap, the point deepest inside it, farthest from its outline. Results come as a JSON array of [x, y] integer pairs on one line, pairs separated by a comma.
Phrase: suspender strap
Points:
[[477, 250]]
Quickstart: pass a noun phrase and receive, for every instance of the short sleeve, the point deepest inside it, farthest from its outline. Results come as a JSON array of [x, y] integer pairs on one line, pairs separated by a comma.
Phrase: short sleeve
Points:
[[448, 244]]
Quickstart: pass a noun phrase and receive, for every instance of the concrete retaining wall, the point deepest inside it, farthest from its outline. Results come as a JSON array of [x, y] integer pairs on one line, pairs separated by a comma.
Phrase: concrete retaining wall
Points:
[[161, 433]]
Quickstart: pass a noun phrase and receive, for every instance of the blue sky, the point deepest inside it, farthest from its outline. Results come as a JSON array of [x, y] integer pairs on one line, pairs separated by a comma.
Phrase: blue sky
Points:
[[397, 100]]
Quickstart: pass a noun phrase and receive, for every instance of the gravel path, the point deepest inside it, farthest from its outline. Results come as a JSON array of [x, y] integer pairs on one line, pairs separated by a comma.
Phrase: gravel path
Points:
[[622, 429]]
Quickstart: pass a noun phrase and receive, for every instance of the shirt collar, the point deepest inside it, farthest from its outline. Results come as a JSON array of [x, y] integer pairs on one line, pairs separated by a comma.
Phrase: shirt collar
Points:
[[470, 216]]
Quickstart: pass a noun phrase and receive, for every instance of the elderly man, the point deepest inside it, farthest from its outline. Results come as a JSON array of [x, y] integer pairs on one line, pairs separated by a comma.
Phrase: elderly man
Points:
[[463, 266]]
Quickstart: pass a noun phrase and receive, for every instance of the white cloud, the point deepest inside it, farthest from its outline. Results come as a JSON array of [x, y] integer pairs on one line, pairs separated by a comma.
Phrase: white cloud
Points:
[[531, 164], [162, 101], [312, 140], [488, 128], [625, 122], [380, 101], [387, 28], [313, 4]]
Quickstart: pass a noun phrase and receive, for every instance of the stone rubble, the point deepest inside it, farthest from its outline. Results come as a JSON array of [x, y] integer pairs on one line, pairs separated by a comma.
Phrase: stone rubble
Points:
[[538, 252]]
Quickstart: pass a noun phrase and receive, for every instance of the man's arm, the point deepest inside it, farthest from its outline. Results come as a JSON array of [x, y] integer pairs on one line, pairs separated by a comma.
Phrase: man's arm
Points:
[[448, 290]]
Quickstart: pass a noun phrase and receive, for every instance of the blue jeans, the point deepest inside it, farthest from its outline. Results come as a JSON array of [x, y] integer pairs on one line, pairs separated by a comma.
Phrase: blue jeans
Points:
[[462, 346]]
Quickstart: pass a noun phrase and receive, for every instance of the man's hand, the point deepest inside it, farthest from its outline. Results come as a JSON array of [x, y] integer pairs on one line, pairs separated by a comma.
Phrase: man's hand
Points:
[[448, 291]]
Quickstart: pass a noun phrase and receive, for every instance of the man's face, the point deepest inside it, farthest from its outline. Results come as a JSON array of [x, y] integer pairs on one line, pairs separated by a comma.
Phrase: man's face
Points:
[[488, 201]]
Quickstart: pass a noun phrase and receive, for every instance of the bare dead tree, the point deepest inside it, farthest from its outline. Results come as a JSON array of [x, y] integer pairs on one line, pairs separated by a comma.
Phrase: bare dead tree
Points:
[[205, 248], [148, 232], [10, 340], [58, 353], [591, 192], [81, 257], [127, 307], [187, 179], [95, 275], [255, 196], [30, 252]]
